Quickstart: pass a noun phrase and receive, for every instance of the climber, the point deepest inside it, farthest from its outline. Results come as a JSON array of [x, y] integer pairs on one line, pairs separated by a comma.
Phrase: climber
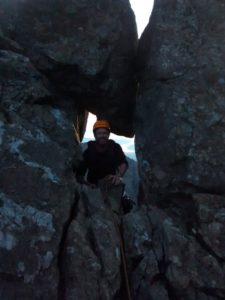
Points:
[[105, 164], [103, 160]]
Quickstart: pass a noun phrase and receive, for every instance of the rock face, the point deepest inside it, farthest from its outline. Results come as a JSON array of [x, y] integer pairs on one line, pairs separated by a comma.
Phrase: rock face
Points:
[[174, 252], [59, 59], [181, 98], [37, 188], [91, 256], [54, 61], [85, 48], [175, 242]]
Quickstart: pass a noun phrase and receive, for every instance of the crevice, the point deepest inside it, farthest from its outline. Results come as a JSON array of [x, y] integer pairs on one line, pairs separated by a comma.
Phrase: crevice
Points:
[[122, 293], [60, 262], [215, 293], [135, 261], [5, 115], [137, 292], [162, 267], [200, 240], [170, 290]]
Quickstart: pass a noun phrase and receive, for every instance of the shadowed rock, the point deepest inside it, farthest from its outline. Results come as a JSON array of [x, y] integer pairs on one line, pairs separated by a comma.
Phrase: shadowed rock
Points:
[[37, 188], [58, 59], [180, 128], [180, 148], [85, 48]]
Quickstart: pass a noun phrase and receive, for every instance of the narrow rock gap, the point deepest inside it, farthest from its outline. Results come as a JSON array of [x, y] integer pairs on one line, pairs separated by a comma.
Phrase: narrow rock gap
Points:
[[122, 292], [142, 279], [162, 266], [71, 217], [200, 240]]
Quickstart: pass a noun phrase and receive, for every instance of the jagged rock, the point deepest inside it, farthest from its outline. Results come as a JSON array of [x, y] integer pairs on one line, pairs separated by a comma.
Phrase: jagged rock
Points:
[[180, 108], [85, 48], [37, 187], [91, 263], [180, 145], [168, 258], [211, 219], [57, 60], [58, 242]]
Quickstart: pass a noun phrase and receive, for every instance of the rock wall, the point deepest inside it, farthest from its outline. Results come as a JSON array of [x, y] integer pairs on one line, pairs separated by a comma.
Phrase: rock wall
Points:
[[180, 146], [37, 187], [58, 59], [85, 48], [181, 97]]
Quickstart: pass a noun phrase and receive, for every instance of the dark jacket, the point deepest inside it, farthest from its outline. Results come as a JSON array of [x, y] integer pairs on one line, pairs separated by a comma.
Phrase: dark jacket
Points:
[[100, 164]]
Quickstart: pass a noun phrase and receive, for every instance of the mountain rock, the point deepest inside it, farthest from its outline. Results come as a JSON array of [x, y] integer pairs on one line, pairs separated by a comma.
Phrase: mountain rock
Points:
[[37, 188], [59, 60], [176, 243], [85, 48], [59, 240], [180, 108]]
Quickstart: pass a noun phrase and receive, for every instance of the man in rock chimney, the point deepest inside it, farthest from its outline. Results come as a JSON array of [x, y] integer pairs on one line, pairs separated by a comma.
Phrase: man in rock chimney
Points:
[[103, 161]]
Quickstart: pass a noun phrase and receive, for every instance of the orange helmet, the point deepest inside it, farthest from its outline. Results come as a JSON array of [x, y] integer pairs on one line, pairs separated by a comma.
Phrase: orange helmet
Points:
[[101, 124]]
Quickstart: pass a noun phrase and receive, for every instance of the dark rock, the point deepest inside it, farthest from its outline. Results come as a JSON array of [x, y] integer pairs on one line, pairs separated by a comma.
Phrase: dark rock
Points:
[[37, 187], [91, 259], [58, 60], [59, 241], [180, 108], [87, 58], [180, 148], [170, 262]]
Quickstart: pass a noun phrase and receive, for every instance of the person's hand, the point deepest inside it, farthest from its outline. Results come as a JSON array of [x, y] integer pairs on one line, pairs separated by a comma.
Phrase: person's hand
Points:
[[114, 179]]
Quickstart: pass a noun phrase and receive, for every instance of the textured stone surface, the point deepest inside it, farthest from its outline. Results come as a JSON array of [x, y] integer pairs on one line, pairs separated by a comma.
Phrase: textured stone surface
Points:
[[167, 253], [180, 146], [58, 241], [180, 128], [91, 264], [86, 48], [57, 60], [36, 186]]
